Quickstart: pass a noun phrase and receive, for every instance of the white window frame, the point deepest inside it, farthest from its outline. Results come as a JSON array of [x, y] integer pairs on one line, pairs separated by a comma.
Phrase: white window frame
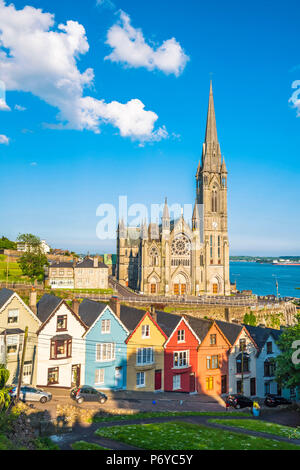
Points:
[[139, 383], [12, 340], [181, 336], [99, 376], [13, 313], [177, 382], [145, 331], [102, 350], [180, 358], [144, 356], [105, 327]]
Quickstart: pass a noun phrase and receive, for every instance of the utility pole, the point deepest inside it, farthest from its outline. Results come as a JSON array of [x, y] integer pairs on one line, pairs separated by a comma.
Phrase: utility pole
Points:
[[22, 364], [7, 271]]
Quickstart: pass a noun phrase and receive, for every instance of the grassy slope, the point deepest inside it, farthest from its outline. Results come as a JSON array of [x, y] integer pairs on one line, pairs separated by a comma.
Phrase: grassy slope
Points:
[[261, 426]]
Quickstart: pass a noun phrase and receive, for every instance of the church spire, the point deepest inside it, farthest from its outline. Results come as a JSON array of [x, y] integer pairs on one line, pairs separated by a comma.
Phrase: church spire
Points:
[[211, 135]]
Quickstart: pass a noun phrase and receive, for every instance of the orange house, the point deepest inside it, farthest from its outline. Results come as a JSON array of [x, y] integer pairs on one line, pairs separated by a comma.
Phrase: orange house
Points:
[[213, 369]]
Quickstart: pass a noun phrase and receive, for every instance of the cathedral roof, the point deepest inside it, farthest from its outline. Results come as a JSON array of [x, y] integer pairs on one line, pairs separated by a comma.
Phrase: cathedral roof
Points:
[[211, 135]]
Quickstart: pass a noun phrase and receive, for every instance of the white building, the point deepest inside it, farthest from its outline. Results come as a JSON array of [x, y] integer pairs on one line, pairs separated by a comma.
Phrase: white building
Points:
[[45, 248], [61, 348]]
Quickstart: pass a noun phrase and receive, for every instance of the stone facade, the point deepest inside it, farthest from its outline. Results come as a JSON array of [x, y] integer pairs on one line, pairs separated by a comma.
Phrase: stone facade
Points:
[[175, 258], [87, 274]]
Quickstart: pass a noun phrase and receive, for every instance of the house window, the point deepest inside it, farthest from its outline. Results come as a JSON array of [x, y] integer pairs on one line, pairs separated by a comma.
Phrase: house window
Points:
[[269, 347], [140, 379], [242, 360], [53, 376], [61, 349], [12, 344], [212, 362], [209, 383], [213, 340], [105, 327], [267, 388], [144, 356], [105, 352], [61, 323], [181, 336], [99, 377], [269, 368], [176, 382], [181, 359], [13, 316], [145, 331]]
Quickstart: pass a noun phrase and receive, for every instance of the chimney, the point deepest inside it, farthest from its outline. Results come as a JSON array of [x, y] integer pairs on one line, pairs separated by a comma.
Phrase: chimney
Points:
[[33, 300], [96, 262], [153, 313], [75, 306], [115, 305]]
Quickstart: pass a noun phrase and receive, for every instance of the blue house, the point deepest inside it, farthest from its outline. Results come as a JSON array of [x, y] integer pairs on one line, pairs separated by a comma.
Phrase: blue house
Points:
[[105, 347]]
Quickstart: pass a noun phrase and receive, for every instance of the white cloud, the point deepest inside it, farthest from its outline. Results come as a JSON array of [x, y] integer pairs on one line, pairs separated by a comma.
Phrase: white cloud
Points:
[[4, 139], [105, 3], [295, 98], [39, 58], [3, 105], [130, 48]]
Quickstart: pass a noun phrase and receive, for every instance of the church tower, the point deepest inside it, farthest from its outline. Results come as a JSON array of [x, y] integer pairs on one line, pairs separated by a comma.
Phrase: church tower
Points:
[[211, 182]]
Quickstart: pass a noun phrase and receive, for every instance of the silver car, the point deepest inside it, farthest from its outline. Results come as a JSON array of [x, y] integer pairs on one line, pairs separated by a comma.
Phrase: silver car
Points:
[[28, 393]]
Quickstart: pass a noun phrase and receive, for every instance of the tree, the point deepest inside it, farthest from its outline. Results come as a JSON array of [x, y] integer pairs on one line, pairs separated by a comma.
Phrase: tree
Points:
[[31, 242], [6, 244], [33, 264], [288, 362], [4, 395]]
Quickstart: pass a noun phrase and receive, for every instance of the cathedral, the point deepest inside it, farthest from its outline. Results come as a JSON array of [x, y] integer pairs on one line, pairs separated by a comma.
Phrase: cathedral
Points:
[[177, 257]]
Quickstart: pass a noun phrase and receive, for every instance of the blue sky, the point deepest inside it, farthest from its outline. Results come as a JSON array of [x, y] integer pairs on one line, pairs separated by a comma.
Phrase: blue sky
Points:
[[63, 155]]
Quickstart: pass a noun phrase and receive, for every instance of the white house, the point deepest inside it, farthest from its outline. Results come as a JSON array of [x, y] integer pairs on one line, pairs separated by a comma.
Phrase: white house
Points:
[[44, 247], [61, 348], [265, 339]]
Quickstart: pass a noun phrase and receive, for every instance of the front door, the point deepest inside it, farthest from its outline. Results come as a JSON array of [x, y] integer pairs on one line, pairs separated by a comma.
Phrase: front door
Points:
[[183, 289], [119, 377], [253, 387], [176, 289], [224, 384], [153, 288], [76, 376], [192, 383], [158, 380], [215, 288]]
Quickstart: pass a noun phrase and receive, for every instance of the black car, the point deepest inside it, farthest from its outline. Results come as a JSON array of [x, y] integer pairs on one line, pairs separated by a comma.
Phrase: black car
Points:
[[87, 393], [274, 400], [239, 401]]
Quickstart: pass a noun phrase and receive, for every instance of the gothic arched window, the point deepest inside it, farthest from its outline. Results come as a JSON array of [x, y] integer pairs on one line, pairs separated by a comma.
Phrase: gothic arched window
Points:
[[214, 200]]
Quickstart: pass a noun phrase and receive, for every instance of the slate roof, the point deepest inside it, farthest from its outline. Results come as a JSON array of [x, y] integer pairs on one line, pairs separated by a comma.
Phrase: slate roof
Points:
[[230, 330], [200, 326], [65, 264], [89, 263], [260, 335], [5, 295], [46, 306], [89, 311], [13, 331]]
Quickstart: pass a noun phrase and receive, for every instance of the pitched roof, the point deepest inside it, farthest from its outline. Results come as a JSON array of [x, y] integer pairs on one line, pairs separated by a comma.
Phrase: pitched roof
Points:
[[46, 305], [89, 311], [5, 295], [58, 264], [230, 330], [167, 321], [260, 335], [13, 331], [200, 326], [89, 263]]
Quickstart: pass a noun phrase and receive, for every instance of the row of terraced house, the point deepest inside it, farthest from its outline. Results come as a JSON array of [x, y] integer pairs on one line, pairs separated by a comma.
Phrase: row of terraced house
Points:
[[114, 346]]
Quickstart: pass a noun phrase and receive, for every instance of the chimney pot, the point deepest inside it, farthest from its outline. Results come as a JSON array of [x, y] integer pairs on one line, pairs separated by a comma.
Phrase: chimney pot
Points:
[[96, 262], [75, 306], [33, 300]]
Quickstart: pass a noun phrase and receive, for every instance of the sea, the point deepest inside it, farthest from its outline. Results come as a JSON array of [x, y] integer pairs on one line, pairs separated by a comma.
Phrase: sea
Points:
[[261, 278]]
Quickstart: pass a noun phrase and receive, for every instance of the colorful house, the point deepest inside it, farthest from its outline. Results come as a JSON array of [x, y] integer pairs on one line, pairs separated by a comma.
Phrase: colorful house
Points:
[[181, 358], [241, 359], [105, 346], [61, 348], [15, 316]]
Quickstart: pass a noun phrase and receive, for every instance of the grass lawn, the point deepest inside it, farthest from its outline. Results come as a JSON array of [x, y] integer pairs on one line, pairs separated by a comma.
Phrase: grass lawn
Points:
[[14, 272], [161, 414], [186, 436], [82, 445], [261, 426]]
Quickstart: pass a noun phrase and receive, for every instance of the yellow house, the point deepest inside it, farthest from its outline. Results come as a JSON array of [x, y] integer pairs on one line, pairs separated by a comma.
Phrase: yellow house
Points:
[[15, 316], [145, 356]]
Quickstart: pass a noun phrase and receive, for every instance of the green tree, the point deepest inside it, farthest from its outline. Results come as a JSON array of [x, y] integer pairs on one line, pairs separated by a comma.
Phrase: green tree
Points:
[[33, 264], [31, 242], [4, 395], [6, 244], [250, 319], [288, 362]]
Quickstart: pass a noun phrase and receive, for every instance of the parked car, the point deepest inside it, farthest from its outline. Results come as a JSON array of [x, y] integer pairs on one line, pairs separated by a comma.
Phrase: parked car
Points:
[[87, 393], [274, 400], [28, 393], [239, 401]]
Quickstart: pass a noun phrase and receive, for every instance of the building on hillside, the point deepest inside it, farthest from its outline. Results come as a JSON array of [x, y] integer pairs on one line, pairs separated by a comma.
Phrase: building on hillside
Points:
[[44, 247], [106, 349], [175, 258], [15, 316], [90, 274], [86, 274], [61, 348]]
